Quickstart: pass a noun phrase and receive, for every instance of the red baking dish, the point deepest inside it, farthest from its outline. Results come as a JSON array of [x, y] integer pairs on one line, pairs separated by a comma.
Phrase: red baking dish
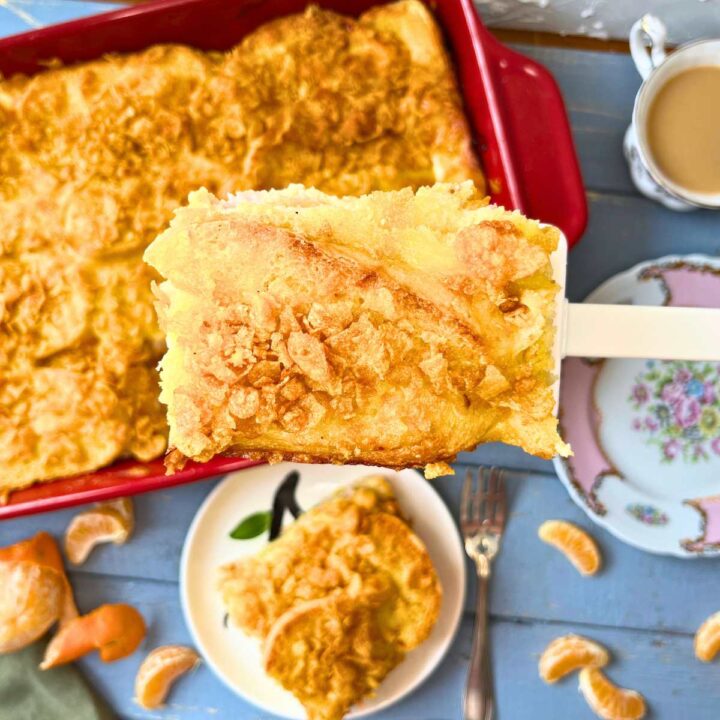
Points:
[[514, 107]]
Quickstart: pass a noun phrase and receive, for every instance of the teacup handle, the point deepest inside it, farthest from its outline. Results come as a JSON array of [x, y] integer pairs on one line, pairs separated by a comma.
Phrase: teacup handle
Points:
[[647, 58]]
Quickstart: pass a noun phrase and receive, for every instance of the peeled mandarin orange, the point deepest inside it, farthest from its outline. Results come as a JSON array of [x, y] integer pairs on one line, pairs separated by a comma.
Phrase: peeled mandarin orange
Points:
[[108, 522], [607, 700], [124, 507], [115, 631], [574, 543], [569, 653], [31, 600], [707, 639], [159, 671], [42, 549]]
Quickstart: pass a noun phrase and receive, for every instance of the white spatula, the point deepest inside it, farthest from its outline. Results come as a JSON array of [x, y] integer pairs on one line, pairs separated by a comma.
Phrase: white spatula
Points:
[[638, 331], [632, 331]]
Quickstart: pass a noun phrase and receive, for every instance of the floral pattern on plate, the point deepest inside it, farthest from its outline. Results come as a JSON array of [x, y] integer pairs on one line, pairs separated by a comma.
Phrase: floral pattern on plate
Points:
[[646, 433], [677, 409], [647, 514]]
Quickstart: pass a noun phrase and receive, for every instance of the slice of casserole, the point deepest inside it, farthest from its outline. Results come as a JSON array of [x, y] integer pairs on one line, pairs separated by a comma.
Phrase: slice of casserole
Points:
[[393, 329], [356, 542], [338, 599]]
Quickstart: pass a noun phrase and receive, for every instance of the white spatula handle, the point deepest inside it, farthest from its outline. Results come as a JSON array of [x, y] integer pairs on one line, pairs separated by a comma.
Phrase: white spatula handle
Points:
[[635, 331]]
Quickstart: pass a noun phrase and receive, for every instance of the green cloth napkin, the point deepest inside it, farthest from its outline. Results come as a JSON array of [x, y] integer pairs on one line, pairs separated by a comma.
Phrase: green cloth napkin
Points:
[[27, 693]]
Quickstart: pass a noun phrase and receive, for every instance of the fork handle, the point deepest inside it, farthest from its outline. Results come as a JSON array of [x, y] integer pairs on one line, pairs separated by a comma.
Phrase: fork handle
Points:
[[479, 697]]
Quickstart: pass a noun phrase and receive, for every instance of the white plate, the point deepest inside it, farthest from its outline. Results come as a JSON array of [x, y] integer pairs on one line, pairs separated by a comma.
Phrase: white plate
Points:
[[234, 657], [645, 433]]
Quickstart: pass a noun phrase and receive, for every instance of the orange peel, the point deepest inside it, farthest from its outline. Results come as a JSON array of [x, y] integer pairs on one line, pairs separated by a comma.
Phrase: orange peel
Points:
[[115, 631], [158, 672], [569, 653], [609, 701], [707, 639], [42, 549], [574, 542], [107, 522], [31, 600]]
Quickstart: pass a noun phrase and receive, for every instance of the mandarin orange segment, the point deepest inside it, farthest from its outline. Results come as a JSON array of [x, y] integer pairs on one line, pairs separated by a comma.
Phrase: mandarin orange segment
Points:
[[609, 701], [31, 600], [707, 639], [159, 671], [123, 506], [108, 522], [115, 631], [574, 542], [569, 653], [42, 549]]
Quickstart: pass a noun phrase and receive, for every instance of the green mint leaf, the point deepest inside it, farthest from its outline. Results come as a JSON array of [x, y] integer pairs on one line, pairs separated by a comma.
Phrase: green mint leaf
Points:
[[252, 526]]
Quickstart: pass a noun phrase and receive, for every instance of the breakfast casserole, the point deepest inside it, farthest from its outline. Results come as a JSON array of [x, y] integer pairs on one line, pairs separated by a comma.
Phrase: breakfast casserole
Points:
[[338, 599], [95, 157], [394, 329]]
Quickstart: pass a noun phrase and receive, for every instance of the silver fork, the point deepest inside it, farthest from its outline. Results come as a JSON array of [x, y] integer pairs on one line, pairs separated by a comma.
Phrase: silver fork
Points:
[[482, 520]]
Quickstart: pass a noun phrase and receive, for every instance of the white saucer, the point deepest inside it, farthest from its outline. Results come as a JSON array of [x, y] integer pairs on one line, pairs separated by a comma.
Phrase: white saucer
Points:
[[236, 658]]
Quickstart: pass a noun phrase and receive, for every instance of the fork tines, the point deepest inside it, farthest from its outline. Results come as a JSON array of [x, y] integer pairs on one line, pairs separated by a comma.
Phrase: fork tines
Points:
[[484, 501]]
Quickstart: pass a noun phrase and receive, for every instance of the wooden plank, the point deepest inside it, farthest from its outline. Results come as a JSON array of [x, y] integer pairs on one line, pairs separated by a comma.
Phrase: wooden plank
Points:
[[626, 230], [660, 665], [539, 38], [508, 457], [599, 89], [29, 14], [153, 552], [14, 20]]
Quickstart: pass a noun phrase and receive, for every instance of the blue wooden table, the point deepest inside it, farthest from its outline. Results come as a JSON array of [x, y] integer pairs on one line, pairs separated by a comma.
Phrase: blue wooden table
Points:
[[644, 608]]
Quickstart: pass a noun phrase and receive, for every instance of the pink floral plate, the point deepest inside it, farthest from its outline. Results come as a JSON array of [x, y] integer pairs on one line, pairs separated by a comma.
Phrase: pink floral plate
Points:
[[646, 433]]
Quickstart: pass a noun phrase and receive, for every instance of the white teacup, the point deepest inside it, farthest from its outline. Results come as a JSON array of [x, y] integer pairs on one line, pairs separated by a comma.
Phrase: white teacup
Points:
[[647, 46]]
